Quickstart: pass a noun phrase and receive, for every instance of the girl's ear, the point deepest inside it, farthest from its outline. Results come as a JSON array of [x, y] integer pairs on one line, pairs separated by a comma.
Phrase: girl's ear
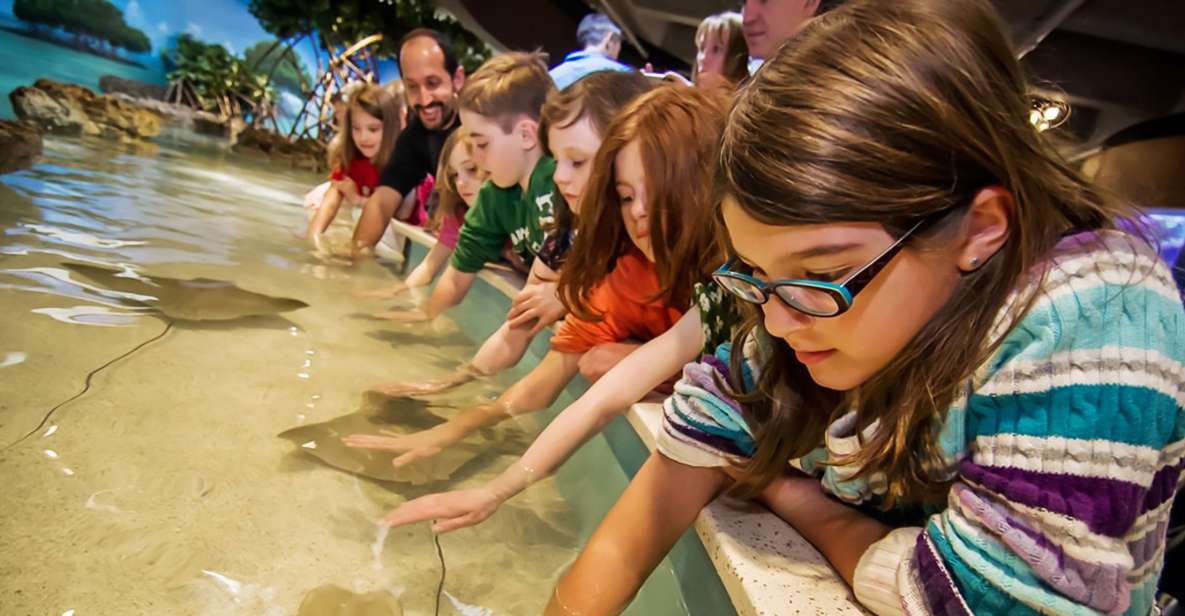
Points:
[[528, 133], [985, 227]]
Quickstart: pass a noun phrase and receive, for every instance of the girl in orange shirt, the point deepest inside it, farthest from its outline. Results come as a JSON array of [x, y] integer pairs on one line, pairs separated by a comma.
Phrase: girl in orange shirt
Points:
[[646, 238]]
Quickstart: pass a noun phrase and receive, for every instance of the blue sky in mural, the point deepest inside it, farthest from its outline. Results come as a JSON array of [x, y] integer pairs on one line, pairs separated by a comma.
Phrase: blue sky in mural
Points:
[[226, 22]]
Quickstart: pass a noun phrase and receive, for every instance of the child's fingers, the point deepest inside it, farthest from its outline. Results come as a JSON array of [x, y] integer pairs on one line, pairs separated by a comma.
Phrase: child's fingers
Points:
[[414, 455], [522, 319], [418, 510], [394, 389], [451, 524], [540, 325], [370, 441]]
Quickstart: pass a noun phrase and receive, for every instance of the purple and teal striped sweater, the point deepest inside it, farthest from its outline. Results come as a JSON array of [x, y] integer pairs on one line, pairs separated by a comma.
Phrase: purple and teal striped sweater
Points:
[[1067, 450]]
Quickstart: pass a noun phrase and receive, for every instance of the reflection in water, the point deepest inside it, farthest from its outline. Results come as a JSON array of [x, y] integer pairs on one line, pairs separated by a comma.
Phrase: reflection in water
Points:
[[100, 316], [76, 238], [13, 358]]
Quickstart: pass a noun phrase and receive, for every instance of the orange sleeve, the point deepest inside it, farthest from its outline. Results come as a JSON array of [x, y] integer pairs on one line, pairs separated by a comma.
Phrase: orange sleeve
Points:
[[578, 336]]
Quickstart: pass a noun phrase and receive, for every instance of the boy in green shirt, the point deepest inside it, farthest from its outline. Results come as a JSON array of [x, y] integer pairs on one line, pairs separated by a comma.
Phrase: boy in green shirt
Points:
[[499, 108], [501, 213]]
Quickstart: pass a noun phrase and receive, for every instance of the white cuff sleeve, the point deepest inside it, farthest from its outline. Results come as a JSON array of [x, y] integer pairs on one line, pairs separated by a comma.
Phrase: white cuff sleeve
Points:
[[875, 580]]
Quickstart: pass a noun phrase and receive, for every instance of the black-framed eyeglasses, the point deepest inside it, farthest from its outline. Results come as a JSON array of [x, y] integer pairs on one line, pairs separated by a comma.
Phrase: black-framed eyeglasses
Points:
[[811, 297]]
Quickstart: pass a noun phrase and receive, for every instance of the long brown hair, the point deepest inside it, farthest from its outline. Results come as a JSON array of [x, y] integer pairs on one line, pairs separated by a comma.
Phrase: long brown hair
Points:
[[677, 129], [727, 26], [597, 97], [448, 199], [375, 101], [893, 112]]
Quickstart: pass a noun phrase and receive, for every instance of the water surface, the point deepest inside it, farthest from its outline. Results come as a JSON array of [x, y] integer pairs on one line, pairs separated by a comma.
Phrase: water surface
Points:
[[163, 488]]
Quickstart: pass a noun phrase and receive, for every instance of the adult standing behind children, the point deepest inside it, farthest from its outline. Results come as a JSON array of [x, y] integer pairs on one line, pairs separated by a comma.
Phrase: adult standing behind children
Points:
[[769, 23], [601, 39], [432, 78], [500, 108]]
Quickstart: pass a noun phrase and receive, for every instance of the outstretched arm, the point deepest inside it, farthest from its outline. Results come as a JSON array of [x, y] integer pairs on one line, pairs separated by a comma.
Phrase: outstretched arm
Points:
[[433, 262], [534, 392], [625, 384], [503, 349], [658, 506], [506, 347], [325, 214], [421, 276], [376, 215], [449, 292]]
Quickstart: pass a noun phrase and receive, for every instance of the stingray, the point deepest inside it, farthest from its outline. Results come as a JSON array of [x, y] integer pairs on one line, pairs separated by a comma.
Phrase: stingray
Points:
[[191, 299], [377, 412]]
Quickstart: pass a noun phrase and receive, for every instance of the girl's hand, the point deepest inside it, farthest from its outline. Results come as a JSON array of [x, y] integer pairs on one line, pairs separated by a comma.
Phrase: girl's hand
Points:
[[537, 302], [414, 446], [396, 390], [460, 376], [450, 510], [403, 316]]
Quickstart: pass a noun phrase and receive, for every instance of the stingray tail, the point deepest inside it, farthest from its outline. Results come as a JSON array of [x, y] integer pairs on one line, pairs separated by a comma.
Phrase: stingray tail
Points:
[[87, 384]]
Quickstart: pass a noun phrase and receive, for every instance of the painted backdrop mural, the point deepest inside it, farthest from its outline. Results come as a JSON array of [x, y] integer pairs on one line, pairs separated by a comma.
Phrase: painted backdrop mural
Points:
[[234, 58]]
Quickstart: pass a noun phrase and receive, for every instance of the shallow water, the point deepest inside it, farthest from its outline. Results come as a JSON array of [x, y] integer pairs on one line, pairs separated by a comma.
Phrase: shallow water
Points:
[[163, 488]]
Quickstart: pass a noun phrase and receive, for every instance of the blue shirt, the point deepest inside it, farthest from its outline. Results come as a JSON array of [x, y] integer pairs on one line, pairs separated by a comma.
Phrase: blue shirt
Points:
[[580, 63]]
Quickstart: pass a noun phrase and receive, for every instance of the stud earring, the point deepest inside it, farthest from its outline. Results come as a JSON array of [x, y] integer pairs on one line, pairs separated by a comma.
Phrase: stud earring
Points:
[[974, 263]]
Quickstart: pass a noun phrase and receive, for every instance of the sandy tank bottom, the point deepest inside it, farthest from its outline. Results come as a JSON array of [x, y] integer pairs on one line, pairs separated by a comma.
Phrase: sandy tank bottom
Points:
[[163, 488]]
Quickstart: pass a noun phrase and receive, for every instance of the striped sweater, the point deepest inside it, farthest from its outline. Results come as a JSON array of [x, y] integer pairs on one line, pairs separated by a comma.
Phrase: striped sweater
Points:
[[1066, 450]]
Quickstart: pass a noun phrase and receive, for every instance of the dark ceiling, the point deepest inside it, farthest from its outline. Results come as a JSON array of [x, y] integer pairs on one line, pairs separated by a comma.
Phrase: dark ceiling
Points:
[[1118, 62]]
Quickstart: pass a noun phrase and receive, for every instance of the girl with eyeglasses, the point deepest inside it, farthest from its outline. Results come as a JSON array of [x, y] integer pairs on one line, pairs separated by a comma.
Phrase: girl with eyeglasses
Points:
[[964, 377]]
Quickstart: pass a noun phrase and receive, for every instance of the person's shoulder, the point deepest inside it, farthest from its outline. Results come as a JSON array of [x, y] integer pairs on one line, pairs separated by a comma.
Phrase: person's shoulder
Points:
[[410, 139], [1093, 267], [490, 191], [415, 128], [542, 180], [544, 170], [1100, 296]]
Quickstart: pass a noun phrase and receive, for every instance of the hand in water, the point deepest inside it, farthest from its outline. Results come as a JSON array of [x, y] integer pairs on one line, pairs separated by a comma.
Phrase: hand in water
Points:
[[396, 390], [403, 316], [537, 302], [414, 446], [349, 252], [450, 510], [385, 293], [460, 376]]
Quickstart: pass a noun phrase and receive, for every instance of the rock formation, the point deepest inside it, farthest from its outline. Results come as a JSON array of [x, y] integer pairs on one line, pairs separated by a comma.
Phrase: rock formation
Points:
[[74, 110]]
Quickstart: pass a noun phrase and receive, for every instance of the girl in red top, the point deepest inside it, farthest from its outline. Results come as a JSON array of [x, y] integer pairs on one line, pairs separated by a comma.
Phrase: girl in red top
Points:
[[364, 142], [645, 238]]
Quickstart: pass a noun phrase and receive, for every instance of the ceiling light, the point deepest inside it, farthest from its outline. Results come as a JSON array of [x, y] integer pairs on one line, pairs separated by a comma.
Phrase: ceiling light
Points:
[[1046, 112]]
